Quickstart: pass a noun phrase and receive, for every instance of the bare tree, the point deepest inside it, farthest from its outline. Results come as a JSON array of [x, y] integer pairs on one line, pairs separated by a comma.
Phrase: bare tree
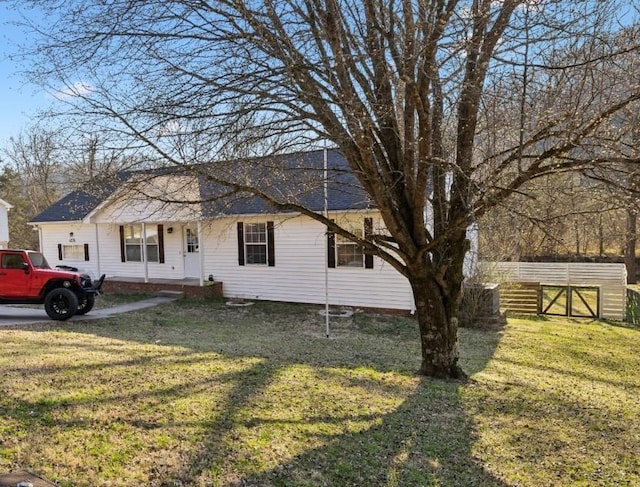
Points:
[[398, 86], [88, 157], [21, 234], [619, 138], [35, 157]]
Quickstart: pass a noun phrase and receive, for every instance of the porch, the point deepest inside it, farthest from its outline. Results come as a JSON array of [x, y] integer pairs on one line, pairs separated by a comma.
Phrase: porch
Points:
[[190, 287]]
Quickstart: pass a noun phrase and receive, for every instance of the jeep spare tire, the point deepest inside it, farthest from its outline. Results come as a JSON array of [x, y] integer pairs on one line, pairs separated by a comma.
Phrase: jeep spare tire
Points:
[[61, 304], [85, 304]]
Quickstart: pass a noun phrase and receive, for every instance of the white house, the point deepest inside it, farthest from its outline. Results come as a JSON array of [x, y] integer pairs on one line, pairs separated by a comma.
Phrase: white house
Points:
[[4, 223], [255, 252]]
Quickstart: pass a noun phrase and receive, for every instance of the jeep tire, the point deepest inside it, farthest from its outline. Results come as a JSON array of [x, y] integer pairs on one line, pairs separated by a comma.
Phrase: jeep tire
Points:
[[85, 304], [61, 304]]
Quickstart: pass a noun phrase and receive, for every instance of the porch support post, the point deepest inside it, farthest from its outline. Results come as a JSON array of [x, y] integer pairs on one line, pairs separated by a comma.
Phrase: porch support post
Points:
[[40, 243], [97, 250], [201, 252], [144, 252]]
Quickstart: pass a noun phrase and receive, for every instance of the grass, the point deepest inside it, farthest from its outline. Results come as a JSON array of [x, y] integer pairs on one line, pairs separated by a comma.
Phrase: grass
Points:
[[202, 394], [110, 300]]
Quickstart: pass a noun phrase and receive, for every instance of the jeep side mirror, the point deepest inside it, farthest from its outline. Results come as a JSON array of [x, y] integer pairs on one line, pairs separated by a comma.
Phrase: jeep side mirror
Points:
[[25, 267]]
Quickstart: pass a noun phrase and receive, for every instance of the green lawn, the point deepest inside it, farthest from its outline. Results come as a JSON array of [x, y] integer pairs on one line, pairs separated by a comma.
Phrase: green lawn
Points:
[[202, 394]]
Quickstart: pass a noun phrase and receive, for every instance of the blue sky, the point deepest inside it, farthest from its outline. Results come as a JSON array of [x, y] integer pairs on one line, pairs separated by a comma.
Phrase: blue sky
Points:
[[18, 100]]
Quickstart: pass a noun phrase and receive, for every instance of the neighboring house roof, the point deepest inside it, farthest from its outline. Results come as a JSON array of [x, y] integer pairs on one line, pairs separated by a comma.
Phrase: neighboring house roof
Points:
[[295, 178], [5, 204]]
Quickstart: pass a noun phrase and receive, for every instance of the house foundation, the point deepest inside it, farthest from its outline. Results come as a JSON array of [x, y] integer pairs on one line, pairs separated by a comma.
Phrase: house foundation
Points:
[[190, 288]]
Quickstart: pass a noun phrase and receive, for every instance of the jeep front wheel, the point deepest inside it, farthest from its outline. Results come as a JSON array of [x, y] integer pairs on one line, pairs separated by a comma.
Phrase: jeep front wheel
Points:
[[85, 304], [61, 304]]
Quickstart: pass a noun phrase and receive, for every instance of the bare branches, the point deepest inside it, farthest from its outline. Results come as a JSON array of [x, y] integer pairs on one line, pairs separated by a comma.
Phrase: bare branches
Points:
[[442, 108]]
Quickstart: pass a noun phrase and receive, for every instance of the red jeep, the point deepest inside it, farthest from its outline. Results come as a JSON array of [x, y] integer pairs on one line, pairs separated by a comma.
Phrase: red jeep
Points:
[[26, 278]]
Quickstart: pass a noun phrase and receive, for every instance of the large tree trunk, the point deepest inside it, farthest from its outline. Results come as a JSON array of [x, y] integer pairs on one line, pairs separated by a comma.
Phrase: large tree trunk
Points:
[[436, 282], [438, 332]]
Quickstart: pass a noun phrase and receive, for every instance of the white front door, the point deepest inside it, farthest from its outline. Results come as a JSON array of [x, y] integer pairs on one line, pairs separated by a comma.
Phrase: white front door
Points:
[[191, 252]]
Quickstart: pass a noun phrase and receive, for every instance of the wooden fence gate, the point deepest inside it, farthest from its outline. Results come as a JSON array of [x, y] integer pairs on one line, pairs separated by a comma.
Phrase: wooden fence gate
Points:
[[578, 301]]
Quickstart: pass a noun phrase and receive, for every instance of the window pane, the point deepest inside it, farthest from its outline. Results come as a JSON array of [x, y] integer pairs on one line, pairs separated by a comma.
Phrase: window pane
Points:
[[349, 255], [38, 260], [152, 253], [255, 232], [356, 231], [73, 252], [133, 253], [152, 234], [192, 241], [133, 233], [256, 254], [12, 261], [134, 243]]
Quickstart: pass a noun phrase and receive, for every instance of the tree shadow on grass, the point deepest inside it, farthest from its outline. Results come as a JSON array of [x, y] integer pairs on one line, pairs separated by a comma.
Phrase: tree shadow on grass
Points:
[[425, 441], [423, 438]]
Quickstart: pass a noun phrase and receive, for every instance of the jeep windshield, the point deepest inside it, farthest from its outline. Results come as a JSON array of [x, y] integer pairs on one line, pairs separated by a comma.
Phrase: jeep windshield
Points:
[[38, 261]]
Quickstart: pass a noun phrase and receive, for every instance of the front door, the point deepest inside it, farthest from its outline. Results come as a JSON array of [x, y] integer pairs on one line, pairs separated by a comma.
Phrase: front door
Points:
[[191, 252]]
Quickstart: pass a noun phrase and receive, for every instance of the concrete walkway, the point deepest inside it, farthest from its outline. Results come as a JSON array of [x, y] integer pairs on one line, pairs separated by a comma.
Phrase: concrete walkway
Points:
[[16, 315]]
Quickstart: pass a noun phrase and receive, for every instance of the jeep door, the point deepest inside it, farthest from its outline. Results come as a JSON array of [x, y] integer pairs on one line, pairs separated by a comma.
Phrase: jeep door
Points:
[[15, 276]]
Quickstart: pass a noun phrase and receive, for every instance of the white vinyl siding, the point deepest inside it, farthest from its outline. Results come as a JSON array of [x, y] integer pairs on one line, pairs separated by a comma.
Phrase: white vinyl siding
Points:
[[301, 256], [300, 245], [105, 251]]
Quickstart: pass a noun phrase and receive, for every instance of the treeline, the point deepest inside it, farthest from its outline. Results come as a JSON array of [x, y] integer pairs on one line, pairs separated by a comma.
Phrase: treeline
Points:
[[39, 166]]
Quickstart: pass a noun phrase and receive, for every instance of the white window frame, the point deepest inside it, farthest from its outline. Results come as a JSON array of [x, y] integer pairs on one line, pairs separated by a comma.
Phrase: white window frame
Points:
[[137, 236], [256, 240], [192, 241], [69, 251], [343, 244]]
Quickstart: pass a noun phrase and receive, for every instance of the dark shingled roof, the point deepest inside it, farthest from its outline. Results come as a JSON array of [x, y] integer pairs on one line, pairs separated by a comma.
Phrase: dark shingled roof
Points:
[[74, 206], [293, 178]]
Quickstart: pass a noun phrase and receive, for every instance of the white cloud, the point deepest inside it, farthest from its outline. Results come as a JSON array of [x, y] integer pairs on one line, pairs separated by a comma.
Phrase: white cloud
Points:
[[76, 90]]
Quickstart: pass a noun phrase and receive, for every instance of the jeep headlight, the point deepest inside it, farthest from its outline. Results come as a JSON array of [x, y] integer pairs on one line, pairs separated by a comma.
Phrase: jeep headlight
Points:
[[85, 280], [66, 284]]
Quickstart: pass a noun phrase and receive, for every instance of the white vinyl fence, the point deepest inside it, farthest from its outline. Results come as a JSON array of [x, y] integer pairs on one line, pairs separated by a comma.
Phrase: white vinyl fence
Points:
[[610, 279]]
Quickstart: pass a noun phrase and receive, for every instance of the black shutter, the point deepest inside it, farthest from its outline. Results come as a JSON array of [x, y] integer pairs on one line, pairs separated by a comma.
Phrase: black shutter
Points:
[[123, 256], [271, 251], [161, 244], [331, 249], [86, 251], [240, 243], [59, 251], [368, 231]]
